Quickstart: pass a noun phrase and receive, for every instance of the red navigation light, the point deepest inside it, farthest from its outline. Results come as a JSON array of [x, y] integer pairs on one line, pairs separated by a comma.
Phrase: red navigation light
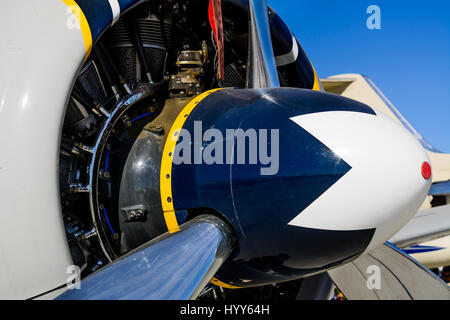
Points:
[[426, 170]]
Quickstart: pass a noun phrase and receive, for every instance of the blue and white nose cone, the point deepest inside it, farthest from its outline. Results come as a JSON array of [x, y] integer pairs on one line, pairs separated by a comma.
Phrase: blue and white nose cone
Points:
[[384, 187], [329, 179]]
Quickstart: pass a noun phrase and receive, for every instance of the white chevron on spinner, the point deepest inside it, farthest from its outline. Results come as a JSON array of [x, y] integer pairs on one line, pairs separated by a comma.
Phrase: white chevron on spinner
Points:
[[384, 186], [115, 8]]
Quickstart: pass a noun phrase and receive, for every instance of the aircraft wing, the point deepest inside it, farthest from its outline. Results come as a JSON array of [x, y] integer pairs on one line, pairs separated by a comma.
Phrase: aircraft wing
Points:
[[388, 273], [426, 225], [440, 188]]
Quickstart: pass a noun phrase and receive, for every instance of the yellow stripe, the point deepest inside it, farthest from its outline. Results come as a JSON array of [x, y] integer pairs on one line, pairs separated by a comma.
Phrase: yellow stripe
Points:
[[166, 172], [316, 85], [219, 283], [166, 162], [84, 25]]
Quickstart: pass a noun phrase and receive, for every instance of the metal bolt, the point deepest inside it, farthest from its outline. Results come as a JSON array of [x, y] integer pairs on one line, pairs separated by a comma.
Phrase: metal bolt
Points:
[[139, 213]]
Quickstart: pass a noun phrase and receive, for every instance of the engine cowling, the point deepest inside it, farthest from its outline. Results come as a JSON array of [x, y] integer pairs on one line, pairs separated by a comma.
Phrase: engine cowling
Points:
[[308, 180]]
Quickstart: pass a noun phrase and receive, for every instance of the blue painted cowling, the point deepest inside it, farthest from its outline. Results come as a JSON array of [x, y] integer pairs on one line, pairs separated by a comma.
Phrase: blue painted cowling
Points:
[[259, 198]]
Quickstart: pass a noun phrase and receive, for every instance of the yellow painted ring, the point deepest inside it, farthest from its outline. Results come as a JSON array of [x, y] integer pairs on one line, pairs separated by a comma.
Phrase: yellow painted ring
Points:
[[166, 162]]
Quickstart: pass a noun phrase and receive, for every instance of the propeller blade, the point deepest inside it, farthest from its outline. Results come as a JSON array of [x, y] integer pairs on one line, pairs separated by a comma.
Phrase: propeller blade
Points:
[[173, 266], [262, 70], [316, 287], [387, 273]]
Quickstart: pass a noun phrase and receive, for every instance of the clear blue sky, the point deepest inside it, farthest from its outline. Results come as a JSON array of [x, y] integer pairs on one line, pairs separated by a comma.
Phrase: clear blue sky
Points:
[[408, 59]]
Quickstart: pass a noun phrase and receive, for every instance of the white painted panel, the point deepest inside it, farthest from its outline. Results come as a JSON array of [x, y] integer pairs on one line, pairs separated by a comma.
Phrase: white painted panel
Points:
[[39, 56]]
